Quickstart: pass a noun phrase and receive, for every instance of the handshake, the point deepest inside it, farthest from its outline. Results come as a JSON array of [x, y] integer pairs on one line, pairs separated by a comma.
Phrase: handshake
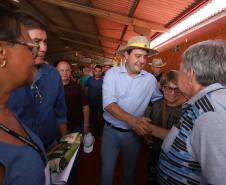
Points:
[[142, 126]]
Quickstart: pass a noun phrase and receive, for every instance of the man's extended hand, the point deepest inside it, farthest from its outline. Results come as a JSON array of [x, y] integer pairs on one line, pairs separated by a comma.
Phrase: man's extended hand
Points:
[[148, 139], [142, 126]]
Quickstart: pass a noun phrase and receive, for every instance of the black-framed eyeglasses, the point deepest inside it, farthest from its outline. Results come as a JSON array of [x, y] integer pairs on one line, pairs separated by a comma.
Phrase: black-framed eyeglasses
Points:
[[38, 97], [34, 49], [169, 89]]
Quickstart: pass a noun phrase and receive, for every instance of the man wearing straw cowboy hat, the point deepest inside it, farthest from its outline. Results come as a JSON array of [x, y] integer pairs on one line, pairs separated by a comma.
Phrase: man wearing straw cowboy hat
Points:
[[107, 66], [156, 66], [127, 90]]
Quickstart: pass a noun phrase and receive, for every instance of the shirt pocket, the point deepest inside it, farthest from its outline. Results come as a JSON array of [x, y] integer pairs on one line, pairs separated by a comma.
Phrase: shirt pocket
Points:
[[48, 95]]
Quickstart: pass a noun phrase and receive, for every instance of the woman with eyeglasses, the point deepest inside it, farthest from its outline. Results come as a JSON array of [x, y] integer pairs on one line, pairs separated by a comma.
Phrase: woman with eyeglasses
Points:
[[22, 155], [165, 113]]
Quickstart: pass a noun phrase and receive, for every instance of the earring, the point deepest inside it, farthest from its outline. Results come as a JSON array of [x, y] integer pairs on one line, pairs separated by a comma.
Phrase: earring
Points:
[[3, 64], [4, 61]]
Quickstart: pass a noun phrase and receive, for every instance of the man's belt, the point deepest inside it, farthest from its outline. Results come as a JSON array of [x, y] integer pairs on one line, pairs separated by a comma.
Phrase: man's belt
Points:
[[118, 129]]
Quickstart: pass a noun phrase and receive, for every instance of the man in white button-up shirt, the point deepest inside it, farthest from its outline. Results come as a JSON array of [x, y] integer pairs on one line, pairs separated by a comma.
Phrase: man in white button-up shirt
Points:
[[127, 90]]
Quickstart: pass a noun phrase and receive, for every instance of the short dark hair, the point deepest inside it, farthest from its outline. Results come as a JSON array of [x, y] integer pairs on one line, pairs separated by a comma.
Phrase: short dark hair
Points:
[[81, 68], [9, 25], [56, 63], [130, 50], [31, 21], [98, 66]]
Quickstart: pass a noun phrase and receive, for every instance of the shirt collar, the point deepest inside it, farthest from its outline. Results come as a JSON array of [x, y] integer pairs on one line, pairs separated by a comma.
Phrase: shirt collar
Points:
[[202, 93], [41, 71], [101, 78], [70, 82]]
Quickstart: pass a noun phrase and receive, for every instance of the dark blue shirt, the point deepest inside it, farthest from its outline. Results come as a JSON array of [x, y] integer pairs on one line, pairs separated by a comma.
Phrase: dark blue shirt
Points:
[[42, 119], [158, 77], [23, 164], [94, 92]]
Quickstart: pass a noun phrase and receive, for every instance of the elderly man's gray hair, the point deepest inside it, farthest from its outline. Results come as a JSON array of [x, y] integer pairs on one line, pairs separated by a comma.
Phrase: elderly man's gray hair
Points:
[[208, 60], [86, 70]]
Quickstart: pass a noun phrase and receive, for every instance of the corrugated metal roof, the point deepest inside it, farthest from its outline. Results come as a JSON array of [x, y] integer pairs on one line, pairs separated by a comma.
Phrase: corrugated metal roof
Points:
[[96, 28]]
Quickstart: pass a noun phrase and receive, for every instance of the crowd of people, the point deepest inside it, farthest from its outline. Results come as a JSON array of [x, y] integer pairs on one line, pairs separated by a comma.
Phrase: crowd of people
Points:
[[40, 103]]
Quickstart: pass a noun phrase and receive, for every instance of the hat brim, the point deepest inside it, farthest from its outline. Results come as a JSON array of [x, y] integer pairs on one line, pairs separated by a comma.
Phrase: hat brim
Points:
[[89, 148], [122, 50], [158, 66]]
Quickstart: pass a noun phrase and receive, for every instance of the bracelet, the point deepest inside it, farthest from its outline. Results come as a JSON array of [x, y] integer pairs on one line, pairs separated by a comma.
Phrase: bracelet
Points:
[[86, 125]]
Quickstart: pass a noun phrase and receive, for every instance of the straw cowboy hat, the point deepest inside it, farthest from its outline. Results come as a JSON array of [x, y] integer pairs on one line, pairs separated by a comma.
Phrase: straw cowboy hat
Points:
[[139, 42], [107, 63], [157, 62]]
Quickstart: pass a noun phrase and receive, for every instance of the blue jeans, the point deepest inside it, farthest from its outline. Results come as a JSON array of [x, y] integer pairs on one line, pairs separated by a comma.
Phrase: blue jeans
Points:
[[112, 142], [95, 110]]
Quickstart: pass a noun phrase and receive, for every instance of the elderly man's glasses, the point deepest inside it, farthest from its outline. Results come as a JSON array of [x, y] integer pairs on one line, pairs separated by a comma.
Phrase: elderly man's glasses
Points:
[[34, 49], [38, 97], [169, 89]]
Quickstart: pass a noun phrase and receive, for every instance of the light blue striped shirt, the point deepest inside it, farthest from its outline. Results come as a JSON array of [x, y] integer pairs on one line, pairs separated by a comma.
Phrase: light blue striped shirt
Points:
[[131, 94]]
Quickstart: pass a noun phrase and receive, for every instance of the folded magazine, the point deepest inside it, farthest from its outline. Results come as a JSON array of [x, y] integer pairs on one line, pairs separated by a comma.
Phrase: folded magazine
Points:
[[60, 157]]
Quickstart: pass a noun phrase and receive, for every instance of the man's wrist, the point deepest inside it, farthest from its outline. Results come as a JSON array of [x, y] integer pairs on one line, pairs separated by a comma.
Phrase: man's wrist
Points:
[[86, 125], [134, 122]]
